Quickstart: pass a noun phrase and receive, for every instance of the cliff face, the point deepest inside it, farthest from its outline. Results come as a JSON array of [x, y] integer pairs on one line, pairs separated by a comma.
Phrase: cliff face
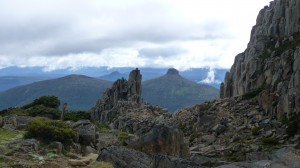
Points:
[[270, 66]]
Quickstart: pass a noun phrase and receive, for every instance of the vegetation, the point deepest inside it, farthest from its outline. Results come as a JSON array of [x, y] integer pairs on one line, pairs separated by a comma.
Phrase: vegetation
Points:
[[50, 130], [42, 111], [76, 115], [102, 165], [269, 141], [293, 126], [255, 131], [46, 101], [17, 111], [122, 135], [7, 135]]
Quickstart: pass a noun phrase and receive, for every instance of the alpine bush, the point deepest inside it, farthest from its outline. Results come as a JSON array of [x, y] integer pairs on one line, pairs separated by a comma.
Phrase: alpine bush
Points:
[[50, 130]]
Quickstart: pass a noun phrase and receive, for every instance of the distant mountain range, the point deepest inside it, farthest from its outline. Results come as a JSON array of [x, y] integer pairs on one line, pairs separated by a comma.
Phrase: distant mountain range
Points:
[[173, 92], [16, 76], [81, 92]]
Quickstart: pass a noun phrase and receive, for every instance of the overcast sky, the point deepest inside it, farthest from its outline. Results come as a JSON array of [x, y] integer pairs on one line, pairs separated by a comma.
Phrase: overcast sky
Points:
[[183, 34]]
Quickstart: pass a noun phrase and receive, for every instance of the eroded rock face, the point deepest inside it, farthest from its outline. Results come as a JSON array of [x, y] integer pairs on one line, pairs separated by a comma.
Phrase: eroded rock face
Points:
[[270, 65]]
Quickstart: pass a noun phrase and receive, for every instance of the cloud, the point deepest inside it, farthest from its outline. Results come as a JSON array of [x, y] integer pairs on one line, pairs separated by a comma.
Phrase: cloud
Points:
[[210, 77], [161, 52], [170, 33]]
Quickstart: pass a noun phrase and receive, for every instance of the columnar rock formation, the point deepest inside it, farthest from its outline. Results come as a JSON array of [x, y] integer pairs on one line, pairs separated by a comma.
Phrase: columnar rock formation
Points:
[[122, 90], [270, 66]]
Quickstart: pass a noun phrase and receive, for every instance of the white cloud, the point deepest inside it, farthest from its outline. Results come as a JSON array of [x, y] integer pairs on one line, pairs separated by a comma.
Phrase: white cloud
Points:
[[72, 34]]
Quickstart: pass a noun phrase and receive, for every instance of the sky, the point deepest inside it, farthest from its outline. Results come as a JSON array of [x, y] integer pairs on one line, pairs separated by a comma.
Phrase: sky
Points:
[[75, 34]]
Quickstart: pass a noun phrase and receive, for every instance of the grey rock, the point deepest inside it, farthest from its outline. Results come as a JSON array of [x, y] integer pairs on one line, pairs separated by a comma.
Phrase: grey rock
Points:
[[10, 122], [89, 149], [268, 134], [163, 140], [255, 156], [289, 156], [160, 161], [86, 132], [219, 129], [273, 76], [122, 157], [201, 160], [122, 90], [30, 144], [22, 122], [58, 146]]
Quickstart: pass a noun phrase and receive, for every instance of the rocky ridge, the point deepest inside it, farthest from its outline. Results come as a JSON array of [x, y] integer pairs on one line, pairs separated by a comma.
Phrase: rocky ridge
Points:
[[270, 66]]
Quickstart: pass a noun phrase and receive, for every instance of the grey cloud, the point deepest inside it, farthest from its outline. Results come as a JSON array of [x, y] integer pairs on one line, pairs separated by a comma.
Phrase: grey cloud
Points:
[[162, 52]]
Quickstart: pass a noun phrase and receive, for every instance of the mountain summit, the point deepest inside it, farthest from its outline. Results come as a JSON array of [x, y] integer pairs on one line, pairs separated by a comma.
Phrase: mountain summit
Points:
[[173, 92], [172, 71]]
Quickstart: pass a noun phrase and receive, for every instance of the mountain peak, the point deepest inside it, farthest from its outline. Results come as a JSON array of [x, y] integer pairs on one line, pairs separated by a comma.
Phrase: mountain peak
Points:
[[172, 71]]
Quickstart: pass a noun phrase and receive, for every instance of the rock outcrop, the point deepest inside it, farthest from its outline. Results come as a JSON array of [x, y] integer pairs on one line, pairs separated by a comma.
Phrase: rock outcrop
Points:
[[270, 66], [122, 109], [121, 91]]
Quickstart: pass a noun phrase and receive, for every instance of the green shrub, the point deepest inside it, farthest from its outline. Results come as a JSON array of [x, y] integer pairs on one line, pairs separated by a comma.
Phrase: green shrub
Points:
[[292, 125], [122, 135], [43, 111], [269, 141], [76, 115], [17, 111], [50, 130], [255, 131], [292, 128], [47, 101]]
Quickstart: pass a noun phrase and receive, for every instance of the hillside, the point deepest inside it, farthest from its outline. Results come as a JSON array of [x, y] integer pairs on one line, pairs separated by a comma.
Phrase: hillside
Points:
[[8, 82], [80, 92], [173, 92]]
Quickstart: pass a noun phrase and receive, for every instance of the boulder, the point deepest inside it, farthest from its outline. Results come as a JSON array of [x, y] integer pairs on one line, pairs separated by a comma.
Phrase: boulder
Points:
[[122, 157], [10, 122], [219, 129], [160, 161], [86, 132], [30, 145], [163, 140], [289, 156], [57, 146]]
